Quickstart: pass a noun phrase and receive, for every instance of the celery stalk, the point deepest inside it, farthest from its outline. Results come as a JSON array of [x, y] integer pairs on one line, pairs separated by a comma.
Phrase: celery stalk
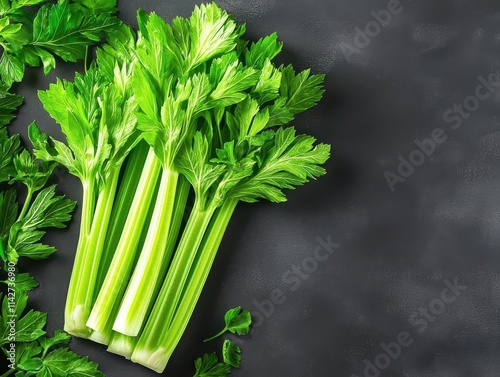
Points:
[[124, 197], [181, 196], [156, 344], [123, 260], [147, 271], [72, 318]]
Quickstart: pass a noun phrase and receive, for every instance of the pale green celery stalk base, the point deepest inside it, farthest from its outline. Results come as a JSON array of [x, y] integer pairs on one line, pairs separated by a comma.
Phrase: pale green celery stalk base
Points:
[[105, 336], [100, 337], [84, 295], [72, 318], [126, 190], [154, 349], [122, 345], [139, 293], [181, 198], [171, 291], [124, 257]]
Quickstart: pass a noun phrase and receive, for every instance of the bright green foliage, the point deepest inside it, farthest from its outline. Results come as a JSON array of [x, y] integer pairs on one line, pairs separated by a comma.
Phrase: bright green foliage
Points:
[[37, 354], [8, 105], [231, 353], [286, 161], [31, 172], [237, 320], [20, 232], [209, 366], [23, 235], [9, 149], [98, 121], [35, 36]]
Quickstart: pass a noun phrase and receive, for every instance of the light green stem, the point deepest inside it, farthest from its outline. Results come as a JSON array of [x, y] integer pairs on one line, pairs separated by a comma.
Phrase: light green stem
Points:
[[150, 350], [139, 293], [26, 205], [8, 373], [71, 325], [122, 345], [124, 258], [89, 267], [183, 187], [125, 195]]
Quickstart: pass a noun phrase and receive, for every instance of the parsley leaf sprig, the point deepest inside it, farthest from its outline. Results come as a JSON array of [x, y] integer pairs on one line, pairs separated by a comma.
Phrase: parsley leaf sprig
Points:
[[237, 320], [34, 32]]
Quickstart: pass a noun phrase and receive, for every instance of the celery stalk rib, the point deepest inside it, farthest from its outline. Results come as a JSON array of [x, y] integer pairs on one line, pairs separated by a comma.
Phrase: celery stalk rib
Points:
[[71, 316], [123, 260], [154, 349], [173, 286], [114, 340], [147, 271], [92, 256], [106, 336], [124, 197]]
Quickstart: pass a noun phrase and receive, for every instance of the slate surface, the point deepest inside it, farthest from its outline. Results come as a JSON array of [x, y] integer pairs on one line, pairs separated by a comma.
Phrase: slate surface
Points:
[[399, 74]]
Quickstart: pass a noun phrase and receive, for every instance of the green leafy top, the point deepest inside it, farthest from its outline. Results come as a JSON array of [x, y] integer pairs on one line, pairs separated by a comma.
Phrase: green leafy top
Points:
[[178, 77], [33, 32], [284, 162], [97, 115], [209, 366]]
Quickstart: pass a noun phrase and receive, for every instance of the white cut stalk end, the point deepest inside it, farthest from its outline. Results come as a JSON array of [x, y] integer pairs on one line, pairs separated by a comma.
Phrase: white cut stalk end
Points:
[[76, 323], [156, 361], [100, 337]]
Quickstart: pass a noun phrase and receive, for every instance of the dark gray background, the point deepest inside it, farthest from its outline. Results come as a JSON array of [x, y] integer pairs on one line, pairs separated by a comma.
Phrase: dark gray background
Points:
[[396, 248]]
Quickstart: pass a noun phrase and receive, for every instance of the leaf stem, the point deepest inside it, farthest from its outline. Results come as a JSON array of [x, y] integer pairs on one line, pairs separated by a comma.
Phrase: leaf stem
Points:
[[161, 335], [147, 272], [26, 204], [124, 259], [216, 335], [87, 274], [123, 202], [8, 373], [70, 321]]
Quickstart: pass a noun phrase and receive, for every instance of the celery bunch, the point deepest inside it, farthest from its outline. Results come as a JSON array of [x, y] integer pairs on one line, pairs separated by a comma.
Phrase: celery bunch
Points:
[[175, 120]]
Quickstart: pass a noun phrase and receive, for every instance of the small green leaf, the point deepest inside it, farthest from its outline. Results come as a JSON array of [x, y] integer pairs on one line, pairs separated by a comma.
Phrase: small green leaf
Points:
[[8, 105], [231, 353], [67, 31], [209, 366], [59, 338], [30, 326], [238, 321], [28, 356], [264, 49], [63, 362], [11, 69]]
